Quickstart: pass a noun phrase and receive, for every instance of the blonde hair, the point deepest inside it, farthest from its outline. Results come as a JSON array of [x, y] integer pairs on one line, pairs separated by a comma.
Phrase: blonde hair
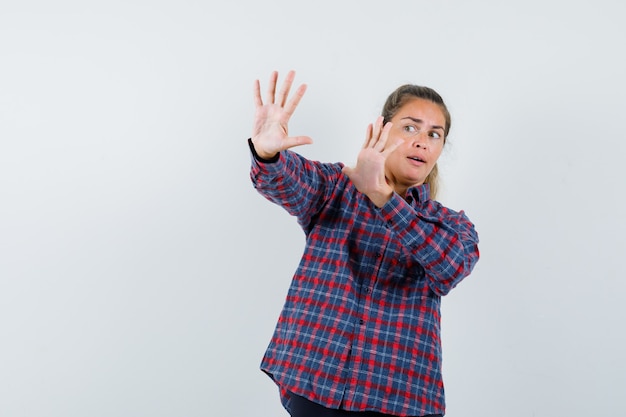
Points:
[[433, 182], [399, 98]]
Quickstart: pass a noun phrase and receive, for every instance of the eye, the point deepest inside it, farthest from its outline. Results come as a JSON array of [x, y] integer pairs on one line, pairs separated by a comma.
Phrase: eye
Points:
[[410, 129], [435, 135]]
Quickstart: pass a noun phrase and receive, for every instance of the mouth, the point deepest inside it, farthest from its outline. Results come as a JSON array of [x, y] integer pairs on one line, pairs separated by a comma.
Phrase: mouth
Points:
[[417, 159]]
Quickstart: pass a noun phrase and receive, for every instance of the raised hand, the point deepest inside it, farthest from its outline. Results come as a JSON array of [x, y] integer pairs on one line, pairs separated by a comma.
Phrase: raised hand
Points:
[[270, 133], [368, 176]]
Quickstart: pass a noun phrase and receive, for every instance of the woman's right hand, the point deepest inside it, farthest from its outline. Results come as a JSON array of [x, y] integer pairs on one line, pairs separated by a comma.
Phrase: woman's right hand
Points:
[[270, 134]]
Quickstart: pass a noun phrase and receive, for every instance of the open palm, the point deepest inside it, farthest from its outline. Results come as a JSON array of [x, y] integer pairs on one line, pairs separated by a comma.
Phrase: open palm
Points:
[[270, 133], [368, 176]]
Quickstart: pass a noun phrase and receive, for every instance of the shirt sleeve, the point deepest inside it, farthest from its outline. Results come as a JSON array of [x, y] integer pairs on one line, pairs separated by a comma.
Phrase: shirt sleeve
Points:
[[442, 240], [299, 185]]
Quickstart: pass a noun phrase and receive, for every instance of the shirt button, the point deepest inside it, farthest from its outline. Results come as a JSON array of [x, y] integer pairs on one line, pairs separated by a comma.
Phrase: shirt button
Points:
[[368, 290], [361, 321]]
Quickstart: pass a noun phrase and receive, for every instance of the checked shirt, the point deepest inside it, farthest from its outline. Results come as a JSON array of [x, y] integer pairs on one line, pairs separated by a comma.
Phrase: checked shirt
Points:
[[360, 327]]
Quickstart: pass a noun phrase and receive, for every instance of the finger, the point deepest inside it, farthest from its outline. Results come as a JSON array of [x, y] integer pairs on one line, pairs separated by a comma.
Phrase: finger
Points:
[[292, 141], [271, 89], [368, 136], [373, 133], [381, 144], [391, 146], [380, 133], [258, 101], [291, 105], [284, 91]]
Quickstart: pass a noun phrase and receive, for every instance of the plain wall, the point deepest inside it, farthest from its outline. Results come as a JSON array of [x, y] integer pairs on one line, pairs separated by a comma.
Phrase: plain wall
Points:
[[141, 274]]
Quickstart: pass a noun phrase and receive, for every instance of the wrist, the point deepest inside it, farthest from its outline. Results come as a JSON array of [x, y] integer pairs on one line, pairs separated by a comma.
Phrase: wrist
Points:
[[260, 155], [381, 198]]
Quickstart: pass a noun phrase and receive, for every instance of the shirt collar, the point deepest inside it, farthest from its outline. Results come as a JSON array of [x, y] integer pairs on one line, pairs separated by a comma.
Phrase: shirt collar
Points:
[[419, 193]]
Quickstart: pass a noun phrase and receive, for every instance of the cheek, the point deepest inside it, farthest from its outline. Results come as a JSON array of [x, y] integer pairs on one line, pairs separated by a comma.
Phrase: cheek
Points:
[[393, 158], [437, 149]]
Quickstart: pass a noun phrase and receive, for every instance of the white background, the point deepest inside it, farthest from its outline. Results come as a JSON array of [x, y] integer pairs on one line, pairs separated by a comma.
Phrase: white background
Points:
[[141, 274]]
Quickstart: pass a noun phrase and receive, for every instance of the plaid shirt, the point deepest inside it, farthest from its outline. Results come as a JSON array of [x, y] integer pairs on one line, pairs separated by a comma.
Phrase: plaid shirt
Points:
[[360, 328]]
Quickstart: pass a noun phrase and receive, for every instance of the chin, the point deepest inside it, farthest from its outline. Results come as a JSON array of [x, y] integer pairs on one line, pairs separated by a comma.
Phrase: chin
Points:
[[416, 180]]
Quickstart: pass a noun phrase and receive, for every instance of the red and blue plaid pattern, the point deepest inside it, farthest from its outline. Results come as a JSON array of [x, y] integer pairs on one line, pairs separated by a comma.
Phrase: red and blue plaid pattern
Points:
[[360, 328]]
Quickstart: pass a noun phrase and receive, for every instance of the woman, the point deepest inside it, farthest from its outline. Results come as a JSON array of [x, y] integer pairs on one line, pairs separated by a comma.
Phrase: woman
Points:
[[359, 334]]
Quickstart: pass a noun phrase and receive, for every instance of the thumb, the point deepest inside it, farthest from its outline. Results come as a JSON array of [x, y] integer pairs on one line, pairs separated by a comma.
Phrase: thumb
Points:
[[292, 141], [393, 146]]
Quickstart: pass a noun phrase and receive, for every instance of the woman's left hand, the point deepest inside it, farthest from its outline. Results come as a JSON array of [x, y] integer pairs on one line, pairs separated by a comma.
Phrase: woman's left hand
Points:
[[368, 176]]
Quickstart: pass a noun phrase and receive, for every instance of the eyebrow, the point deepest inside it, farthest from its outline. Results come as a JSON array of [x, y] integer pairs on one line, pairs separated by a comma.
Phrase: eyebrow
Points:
[[422, 122]]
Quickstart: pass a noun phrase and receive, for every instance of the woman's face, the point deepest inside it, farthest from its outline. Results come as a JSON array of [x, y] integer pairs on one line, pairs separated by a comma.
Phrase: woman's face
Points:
[[420, 123]]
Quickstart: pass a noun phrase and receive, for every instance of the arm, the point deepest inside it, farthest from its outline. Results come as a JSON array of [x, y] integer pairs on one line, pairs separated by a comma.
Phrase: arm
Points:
[[443, 241], [282, 176], [297, 184]]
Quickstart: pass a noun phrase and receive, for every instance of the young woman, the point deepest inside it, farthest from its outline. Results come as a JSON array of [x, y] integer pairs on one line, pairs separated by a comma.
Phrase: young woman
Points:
[[359, 334]]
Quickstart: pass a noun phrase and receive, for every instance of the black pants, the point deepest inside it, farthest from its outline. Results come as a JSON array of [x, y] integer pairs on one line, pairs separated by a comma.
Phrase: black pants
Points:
[[301, 407]]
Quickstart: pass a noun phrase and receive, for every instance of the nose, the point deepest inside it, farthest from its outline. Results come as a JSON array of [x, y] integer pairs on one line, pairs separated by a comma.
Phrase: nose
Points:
[[419, 141]]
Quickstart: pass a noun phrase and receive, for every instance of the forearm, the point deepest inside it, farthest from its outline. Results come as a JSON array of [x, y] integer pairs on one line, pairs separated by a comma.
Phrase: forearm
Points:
[[292, 181], [445, 244]]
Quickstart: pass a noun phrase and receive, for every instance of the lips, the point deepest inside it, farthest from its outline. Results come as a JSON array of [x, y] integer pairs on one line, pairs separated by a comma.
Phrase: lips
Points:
[[417, 159]]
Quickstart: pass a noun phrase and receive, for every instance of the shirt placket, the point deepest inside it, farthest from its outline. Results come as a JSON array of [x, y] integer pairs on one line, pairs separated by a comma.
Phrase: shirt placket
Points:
[[367, 310]]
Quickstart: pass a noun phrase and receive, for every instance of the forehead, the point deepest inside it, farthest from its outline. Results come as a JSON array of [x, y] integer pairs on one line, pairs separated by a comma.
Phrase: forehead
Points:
[[417, 108]]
